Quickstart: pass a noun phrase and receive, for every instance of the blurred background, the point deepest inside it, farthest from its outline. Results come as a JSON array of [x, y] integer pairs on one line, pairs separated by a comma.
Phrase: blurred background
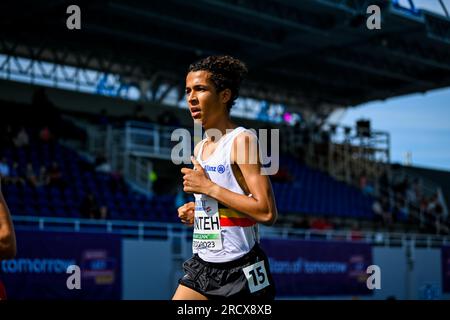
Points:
[[87, 117]]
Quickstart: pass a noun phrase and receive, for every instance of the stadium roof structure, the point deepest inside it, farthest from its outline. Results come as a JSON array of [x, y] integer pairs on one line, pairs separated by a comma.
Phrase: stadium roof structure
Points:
[[315, 54]]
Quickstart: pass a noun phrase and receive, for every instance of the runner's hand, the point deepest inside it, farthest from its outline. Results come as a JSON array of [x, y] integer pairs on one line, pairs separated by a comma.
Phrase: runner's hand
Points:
[[196, 180], [186, 213]]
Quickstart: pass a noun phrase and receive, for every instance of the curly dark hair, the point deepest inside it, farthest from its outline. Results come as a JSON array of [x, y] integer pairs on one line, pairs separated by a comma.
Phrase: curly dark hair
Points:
[[226, 73]]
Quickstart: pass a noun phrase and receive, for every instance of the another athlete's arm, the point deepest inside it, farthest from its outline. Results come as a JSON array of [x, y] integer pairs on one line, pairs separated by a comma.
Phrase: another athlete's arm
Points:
[[7, 235], [260, 206]]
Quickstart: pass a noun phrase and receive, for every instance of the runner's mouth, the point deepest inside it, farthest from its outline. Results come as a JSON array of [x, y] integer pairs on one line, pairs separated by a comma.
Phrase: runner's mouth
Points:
[[196, 112]]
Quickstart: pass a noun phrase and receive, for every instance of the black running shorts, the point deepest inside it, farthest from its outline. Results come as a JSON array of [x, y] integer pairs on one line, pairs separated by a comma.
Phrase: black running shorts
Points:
[[247, 277]]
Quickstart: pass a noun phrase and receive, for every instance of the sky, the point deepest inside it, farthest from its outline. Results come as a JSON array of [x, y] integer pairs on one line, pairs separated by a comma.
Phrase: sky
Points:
[[418, 123], [431, 5]]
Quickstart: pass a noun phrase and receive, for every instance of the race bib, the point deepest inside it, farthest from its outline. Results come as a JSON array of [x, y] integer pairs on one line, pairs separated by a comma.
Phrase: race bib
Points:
[[206, 224], [256, 276]]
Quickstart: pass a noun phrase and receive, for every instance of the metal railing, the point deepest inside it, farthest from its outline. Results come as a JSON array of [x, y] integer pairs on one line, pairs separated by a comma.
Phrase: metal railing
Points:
[[129, 148], [148, 139], [143, 230], [127, 228]]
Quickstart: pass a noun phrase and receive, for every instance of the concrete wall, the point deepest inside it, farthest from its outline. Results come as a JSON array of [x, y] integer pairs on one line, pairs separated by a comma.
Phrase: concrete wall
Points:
[[392, 262], [147, 270], [427, 274], [150, 271], [415, 276]]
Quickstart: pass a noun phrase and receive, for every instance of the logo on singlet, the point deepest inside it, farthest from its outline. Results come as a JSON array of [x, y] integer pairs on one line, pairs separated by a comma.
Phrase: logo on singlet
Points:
[[209, 168], [220, 169]]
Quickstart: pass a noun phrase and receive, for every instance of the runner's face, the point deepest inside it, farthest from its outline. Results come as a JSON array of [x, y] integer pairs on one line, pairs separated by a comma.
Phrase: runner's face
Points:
[[203, 100]]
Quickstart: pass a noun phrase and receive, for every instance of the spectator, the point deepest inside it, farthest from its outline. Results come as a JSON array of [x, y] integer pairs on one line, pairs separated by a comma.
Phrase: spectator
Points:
[[439, 218], [378, 211], [434, 213], [103, 213], [16, 175], [417, 189], [403, 211], [387, 214], [362, 180], [30, 175], [423, 213], [102, 165], [321, 224], [432, 205], [383, 184], [401, 187], [89, 208], [411, 195], [43, 178], [5, 171], [21, 139], [368, 189], [117, 183], [356, 233], [55, 176], [45, 135], [301, 223]]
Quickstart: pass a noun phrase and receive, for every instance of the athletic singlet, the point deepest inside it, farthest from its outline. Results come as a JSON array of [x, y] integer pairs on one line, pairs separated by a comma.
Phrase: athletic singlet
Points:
[[221, 234]]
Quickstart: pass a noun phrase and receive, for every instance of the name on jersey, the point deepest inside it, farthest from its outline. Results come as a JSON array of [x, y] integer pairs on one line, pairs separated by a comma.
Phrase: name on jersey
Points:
[[207, 223], [220, 168]]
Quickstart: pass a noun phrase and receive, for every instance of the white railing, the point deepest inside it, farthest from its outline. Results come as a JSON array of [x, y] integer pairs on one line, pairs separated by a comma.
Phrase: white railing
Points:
[[141, 230], [148, 139], [129, 148]]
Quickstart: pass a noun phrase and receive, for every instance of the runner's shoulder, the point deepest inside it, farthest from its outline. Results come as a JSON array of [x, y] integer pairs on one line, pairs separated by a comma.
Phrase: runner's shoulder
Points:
[[246, 142], [245, 136]]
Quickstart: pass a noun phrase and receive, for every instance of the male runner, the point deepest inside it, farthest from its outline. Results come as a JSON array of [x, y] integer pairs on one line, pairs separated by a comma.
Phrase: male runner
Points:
[[231, 194]]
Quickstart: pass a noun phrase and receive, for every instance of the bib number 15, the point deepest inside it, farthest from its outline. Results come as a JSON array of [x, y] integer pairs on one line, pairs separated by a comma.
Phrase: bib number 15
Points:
[[256, 276]]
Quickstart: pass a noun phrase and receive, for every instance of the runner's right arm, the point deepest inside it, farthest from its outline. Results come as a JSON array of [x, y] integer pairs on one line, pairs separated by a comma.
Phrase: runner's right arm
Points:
[[186, 211]]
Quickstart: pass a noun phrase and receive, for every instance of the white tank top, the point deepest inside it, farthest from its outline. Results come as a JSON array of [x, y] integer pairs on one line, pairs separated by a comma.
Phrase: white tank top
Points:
[[237, 233]]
